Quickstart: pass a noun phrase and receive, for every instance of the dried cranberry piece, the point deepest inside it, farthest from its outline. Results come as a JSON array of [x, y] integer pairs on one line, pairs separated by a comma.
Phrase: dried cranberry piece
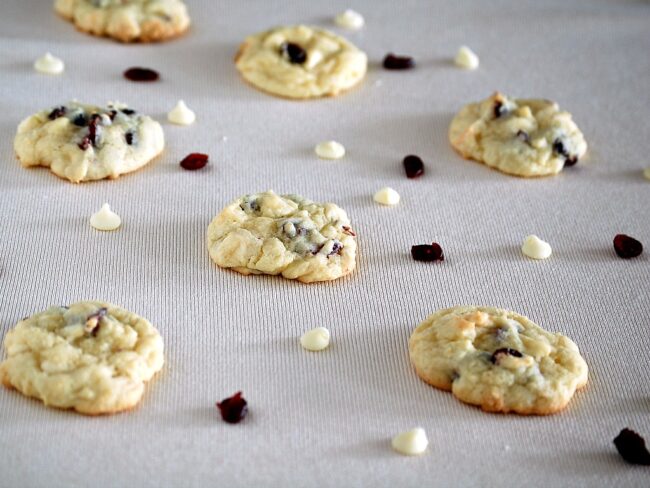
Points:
[[92, 128], [413, 166], [504, 351], [80, 120], [571, 161], [194, 161], [233, 409], [56, 113], [631, 446], [337, 247], [127, 111], [427, 252], [112, 114], [295, 53], [141, 74], [129, 138], [392, 61], [627, 247], [499, 110], [84, 144]]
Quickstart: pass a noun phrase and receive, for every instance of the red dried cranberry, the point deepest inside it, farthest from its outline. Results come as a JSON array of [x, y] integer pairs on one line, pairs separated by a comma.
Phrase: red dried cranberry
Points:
[[129, 138], [56, 113], [627, 247], [294, 53], [84, 144], [127, 111], [427, 252], [391, 61], [413, 165], [141, 74], [80, 120], [194, 161], [504, 351], [631, 447], [337, 247], [233, 409], [92, 128]]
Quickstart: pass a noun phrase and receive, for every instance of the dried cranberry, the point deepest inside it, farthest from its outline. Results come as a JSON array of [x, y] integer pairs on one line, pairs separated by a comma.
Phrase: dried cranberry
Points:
[[627, 247], [523, 136], [92, 128], [504, 351], [127, 111], [414, 166], [294, 53], [233, 409], [337, 247], [56, 113], [194, 161], [427, 252], [571, 161], [558, 147], [499, 110], [141, 74], [391, 61], [112, 114], [348, 231], [631, 447], [80, 120], [129, 138], [84, 144]]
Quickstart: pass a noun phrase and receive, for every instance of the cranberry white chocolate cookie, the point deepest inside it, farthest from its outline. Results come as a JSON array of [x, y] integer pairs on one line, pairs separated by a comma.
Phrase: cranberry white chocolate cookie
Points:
[[127, 20], [286, 235], [83, 142], [92, 357], [497, 360], [300, 62], [518, 136]]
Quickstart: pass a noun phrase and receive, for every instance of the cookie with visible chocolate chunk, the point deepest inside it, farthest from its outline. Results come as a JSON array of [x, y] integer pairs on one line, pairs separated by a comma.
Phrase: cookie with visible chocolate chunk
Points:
[[81, 142], [92, 357], [520, 137], [286, 235], [498, 360], [127, 20]]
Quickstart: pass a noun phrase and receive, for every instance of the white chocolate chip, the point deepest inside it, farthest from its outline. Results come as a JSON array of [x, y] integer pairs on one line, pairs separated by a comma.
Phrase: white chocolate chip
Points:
[[105, 219], [387, 196], [315, 339], [350, 20], [181, 114], [49, 65], [646, 173], [330, 150], [411, 443], [466, 58], [535, 248]]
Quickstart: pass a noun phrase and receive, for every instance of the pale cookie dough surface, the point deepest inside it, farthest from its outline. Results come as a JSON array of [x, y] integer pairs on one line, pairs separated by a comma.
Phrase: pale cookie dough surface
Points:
[[517, 136], [497, 360], [331, 65], [286, 235], [127, 20], [92, 357], [83, 142]]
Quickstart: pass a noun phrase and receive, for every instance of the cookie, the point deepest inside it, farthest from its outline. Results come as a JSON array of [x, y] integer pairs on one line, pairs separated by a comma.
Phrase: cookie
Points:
[[517, 136], [300, 62], [127, 20], [497, 360], [284, 235], [82, 142], [92, 357]]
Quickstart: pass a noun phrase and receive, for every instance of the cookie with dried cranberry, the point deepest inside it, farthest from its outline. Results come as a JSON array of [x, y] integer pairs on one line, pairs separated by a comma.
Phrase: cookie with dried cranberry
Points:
[[92, 357], [498, 360], [81, 142], [286, 235], [127, 20], [300, 62], [520, 137]]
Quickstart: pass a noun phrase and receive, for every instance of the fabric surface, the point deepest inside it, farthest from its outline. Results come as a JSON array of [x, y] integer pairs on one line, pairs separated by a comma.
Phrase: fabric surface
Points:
[[326, 419]]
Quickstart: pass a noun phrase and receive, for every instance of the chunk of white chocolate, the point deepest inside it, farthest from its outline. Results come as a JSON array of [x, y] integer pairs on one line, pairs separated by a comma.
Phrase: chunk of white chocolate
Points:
[[411, 443], [181, 114], [350, 20], [50, 65], [105, 219], [387, 196], [330, 150], [535, 248], [315, 339], [466, 58]]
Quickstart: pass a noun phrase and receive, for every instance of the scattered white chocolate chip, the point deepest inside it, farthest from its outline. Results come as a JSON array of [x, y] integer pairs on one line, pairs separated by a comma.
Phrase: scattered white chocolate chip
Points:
[[181, 114], [466, 58], [535, 248], [646, 173], [315, 339], [350, 20], [330, 150], [49, 65], [411, 443], [387, 196], [105, 219]]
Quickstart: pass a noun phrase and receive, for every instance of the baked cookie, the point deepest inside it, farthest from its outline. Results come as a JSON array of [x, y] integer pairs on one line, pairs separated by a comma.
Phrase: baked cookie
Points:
[[497, 360], [127, 20], [300, 62], [82, 142], [92, 357], [517, 136], [289, 235]]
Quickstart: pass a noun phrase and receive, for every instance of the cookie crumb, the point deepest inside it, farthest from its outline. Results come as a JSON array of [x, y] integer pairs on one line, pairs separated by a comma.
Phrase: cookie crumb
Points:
[[535, 248], [411, 443], [330, 150], [49, 65], [466, 58], [631, 446], [315, 339], [233, 409], [181, 114], [105, 219], [350, 20], [387, 196], [646, 173]]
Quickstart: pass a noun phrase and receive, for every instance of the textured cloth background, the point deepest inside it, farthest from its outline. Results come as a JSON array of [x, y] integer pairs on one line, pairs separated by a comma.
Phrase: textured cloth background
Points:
[[326, 419]]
